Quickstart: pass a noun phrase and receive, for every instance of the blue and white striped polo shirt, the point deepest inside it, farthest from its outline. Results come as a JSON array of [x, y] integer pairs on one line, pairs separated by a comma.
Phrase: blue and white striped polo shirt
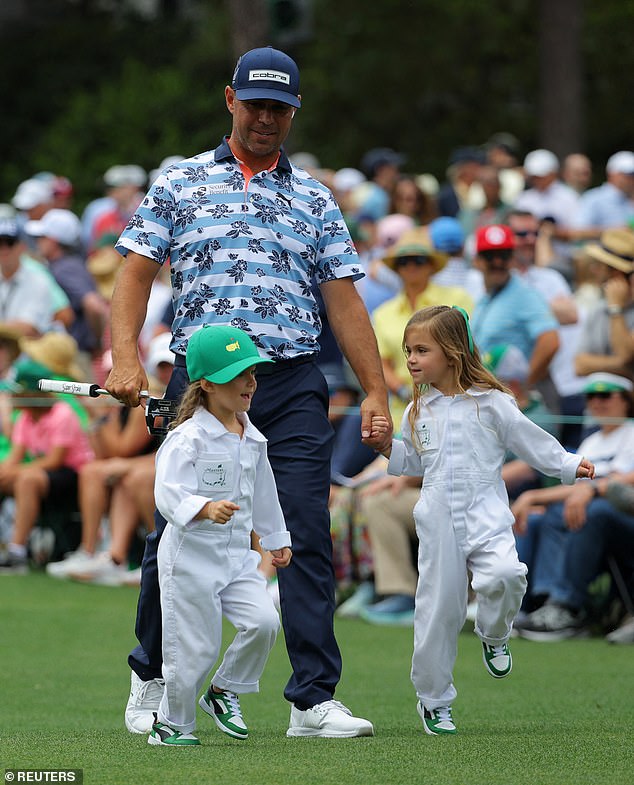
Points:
[[240, 255]]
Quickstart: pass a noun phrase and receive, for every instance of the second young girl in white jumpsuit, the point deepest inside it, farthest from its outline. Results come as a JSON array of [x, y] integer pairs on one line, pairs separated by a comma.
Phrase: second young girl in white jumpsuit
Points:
[[455, 435]]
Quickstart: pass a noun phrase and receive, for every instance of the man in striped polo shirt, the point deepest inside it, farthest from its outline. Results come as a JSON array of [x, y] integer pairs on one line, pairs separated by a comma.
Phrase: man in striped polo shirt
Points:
[[245, 233]]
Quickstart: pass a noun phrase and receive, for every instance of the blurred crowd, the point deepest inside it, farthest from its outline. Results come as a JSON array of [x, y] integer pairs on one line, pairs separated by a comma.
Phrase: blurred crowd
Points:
[[539, 251], [77, 473]]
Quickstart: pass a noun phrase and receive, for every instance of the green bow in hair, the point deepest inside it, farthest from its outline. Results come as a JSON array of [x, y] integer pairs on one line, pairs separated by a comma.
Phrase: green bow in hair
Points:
[[466, 321]]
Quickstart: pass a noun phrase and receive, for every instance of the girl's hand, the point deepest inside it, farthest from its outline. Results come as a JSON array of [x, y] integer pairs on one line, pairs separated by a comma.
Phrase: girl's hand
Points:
[[380, 431], [281, 557], [380, 425], [585, 469], [374, 416], [221, 511]]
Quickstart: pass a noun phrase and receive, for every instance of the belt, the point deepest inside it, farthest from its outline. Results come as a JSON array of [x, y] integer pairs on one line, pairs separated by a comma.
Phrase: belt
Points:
[[266, 369]]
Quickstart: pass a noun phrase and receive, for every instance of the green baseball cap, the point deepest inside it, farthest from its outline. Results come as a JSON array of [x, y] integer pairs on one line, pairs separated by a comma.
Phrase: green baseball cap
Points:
[[26, 376], [28, 373], [219, 353]]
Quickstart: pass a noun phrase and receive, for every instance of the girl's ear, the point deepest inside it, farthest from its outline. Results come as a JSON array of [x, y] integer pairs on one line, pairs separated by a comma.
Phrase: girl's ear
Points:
[[207, 386]]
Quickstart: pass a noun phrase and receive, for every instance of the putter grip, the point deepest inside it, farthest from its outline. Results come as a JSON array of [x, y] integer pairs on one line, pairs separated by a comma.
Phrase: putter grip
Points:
[[74, 388]]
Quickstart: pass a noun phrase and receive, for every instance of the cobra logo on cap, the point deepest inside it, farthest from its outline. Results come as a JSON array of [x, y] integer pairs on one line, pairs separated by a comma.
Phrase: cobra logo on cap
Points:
[[268, 75]]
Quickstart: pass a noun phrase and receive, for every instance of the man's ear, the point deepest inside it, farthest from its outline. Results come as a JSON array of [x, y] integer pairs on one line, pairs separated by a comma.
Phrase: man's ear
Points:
[[230, 97]]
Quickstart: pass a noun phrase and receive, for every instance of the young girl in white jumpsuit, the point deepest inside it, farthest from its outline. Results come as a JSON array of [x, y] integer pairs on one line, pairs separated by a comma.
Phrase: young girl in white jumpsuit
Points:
[[456, 432], [214, 484]]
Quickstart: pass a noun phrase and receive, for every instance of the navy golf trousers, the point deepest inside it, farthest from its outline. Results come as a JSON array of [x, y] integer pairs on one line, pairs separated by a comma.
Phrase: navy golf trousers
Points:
[[290, 407]]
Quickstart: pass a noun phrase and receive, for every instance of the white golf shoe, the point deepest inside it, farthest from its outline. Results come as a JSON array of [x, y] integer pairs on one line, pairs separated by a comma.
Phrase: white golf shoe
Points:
[[143, 702]]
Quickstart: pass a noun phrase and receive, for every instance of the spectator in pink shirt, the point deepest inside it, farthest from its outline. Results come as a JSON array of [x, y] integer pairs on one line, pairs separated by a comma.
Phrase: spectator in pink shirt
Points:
[[49, 447]]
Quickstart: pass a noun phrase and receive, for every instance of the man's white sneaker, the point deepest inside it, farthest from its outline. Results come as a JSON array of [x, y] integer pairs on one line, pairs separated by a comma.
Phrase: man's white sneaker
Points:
[[143, 702], [328, 720]]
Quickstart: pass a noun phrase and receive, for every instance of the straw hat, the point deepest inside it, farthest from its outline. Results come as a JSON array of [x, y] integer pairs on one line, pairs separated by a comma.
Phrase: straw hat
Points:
[[615, 248], [415, 242], [103, 264], [57, 351]]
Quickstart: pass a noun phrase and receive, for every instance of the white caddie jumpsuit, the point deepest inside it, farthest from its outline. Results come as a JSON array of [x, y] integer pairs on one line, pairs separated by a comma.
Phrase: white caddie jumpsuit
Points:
[[206, 569], [463, 522]]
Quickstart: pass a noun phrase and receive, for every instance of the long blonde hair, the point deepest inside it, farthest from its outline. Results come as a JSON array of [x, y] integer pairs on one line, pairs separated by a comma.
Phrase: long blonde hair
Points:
[[193, 397], [449, 328]]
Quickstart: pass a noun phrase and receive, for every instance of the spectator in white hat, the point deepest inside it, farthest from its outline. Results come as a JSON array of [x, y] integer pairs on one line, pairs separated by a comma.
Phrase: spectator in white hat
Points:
[[546, 196], [549, 199], [58, 239], [26, 299], [33, 197], [612, 203]]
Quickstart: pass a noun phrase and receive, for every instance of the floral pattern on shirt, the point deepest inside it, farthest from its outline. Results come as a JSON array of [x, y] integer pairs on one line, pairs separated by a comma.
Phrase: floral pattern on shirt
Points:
[[242, 254]]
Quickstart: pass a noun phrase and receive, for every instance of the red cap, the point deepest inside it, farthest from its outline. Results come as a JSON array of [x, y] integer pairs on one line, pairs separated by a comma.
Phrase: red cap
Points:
[[62, 186], [496, 237]]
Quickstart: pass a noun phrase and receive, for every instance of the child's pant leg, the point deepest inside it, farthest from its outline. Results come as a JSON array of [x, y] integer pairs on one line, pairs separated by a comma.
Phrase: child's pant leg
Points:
[[249, 607], [499, 581], [441, 609], [192, 623]]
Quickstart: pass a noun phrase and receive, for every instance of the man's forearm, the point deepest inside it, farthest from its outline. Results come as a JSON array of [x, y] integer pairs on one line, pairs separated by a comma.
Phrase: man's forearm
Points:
[[621, 340], [545, 349], [357, 341], [586, 363], [129, 306]]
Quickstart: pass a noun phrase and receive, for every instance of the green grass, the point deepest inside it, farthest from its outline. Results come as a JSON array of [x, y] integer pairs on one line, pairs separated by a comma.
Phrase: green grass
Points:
[[563, 717]]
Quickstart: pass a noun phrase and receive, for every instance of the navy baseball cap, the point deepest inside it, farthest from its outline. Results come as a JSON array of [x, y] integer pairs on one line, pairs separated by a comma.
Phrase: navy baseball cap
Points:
[[267, 73]]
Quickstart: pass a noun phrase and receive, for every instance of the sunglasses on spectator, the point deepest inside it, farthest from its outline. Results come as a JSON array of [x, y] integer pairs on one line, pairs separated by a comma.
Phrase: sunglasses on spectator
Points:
[[526, 233], [603, 396], [419, 261], [504, 254], [10, 241]]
